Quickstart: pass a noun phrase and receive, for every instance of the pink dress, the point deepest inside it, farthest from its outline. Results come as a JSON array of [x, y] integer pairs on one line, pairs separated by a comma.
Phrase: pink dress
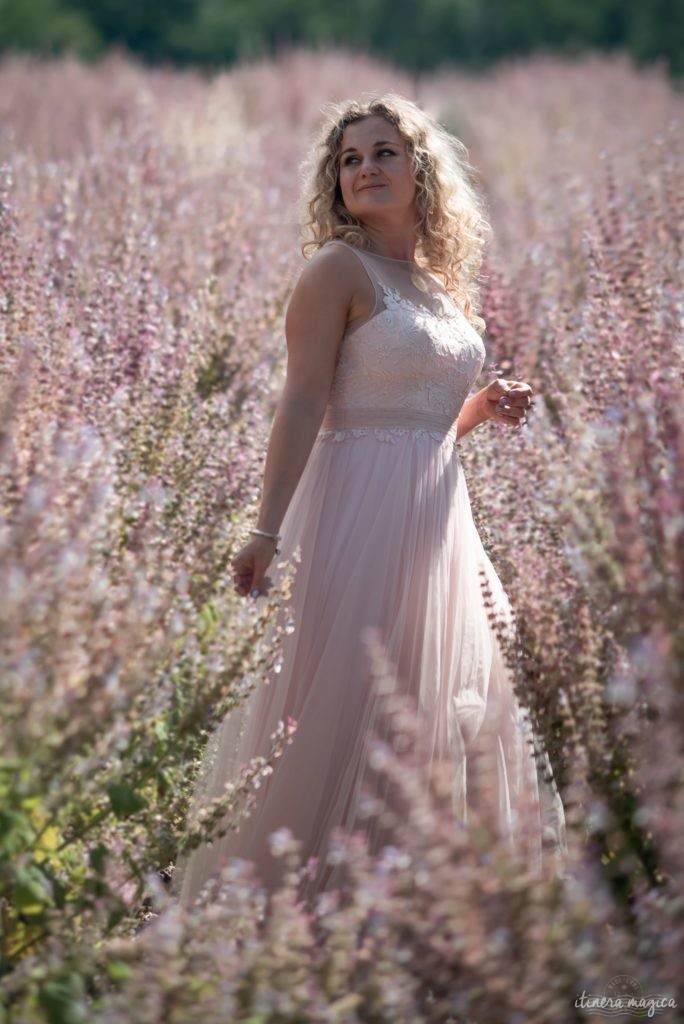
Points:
[[382, 522]]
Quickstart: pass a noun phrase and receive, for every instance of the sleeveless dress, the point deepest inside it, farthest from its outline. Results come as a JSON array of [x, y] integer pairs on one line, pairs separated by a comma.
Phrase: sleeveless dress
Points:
[[382, 524]]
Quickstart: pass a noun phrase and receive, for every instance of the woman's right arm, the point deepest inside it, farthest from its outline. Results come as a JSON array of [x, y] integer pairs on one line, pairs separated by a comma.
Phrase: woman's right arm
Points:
[[315, 322]]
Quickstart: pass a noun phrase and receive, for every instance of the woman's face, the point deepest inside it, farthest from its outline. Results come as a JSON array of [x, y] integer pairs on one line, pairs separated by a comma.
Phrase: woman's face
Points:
[[373, 153]]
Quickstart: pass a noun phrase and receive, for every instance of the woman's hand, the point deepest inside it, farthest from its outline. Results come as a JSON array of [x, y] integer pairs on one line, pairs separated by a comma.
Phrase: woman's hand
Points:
[[250, 565], [507, 401]]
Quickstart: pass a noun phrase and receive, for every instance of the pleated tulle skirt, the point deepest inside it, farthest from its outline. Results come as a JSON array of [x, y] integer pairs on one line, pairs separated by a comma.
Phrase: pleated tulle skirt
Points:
[[383, 528]]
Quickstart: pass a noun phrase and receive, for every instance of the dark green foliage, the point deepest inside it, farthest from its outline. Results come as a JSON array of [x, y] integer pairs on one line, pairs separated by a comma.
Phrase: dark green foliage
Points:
[[419, 36]]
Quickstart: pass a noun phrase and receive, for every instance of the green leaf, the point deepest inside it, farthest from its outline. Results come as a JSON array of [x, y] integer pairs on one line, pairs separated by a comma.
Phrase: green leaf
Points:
[[31, 891], [16, 833], [207, 620], [63, 999], [97, 857], [124, 800], [118, 970], [115, 915], [160, 730], [59, 892], [162, 783]]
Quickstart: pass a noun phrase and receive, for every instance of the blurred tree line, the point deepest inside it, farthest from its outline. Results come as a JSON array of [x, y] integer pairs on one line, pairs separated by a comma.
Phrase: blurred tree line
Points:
[[418, 34]]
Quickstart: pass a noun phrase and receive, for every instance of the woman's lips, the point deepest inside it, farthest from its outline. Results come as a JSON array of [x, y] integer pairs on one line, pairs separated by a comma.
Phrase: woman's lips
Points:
[[366, 187]]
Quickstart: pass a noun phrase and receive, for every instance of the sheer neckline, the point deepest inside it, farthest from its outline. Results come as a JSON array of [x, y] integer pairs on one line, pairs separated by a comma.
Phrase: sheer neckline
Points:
[[390, 258], [367, 252], [411, 265]]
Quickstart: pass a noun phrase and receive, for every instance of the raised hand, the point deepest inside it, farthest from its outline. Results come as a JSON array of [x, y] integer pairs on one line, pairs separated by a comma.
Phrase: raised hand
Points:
[[507, 401]]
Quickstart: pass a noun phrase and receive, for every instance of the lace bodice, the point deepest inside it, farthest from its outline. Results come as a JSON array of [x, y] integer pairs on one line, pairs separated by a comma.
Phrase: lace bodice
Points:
[[409, 367]]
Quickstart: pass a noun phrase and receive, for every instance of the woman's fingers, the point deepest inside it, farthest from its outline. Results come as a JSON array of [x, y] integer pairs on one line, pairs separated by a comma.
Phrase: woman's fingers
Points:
[[242, 577], [243, 581], [508, 400], [512, 411]]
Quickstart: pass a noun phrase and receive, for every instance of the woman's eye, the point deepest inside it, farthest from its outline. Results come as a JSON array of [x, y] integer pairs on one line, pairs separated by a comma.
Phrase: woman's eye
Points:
[[380, 152]]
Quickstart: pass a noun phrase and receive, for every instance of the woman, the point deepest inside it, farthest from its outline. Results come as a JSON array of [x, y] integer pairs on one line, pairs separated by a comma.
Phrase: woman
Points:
[[363, 479]]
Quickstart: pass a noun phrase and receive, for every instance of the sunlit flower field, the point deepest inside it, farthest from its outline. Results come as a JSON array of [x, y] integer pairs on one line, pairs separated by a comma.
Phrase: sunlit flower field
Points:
[[148, 245]]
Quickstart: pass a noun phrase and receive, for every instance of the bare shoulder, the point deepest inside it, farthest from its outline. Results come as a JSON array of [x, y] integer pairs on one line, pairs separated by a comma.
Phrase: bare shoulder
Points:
[[315, 323], [326, 286], [332, 265]]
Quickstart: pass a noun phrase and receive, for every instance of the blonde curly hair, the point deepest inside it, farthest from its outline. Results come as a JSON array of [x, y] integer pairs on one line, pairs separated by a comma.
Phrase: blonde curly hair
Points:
[[450, 213]]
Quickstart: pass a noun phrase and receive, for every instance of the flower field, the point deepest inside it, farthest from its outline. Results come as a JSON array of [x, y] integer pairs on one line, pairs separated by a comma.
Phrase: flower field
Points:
[[148, 245]]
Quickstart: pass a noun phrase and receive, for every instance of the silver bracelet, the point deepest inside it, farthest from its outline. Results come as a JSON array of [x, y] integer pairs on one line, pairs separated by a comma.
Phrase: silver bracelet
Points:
[[264, 533]]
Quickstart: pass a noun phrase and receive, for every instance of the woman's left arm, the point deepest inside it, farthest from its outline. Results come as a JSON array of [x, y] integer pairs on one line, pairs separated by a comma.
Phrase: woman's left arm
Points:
[[506, 401]]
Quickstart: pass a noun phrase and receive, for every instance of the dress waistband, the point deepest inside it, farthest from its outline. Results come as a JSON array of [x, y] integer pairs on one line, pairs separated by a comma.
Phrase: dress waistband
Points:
[[339, 419]]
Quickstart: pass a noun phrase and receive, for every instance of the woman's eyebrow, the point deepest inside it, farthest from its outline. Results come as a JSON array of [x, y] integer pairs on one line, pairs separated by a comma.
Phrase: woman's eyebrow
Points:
[[380, 142]]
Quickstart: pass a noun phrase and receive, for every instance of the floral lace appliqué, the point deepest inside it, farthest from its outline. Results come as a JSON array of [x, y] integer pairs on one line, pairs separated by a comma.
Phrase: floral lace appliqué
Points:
[[396, 300], [406, 360]]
